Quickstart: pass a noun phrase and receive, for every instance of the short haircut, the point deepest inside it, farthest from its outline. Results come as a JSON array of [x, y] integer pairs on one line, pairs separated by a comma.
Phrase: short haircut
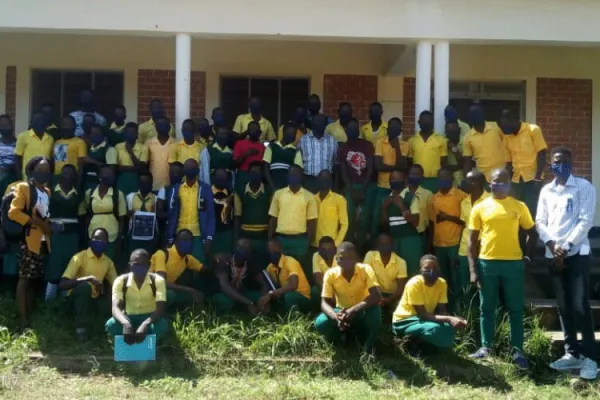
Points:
[[189, 121], [395, 119], [289, 125], [155, 100], [327, 240], [98, 126], [558, 150], [354, 120], [6, 117], [428, 257], [145, 173], [253, 164], [376, 104], [344, 104], [176, 164], [101, 230], [418, 166], [253, 123], [131, 125], [120, 107], [296, 167], [69, 166], [182, 232], [426, 113]]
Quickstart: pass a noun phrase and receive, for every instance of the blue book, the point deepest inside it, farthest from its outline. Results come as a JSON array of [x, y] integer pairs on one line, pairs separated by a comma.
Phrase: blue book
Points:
[[144, 351]]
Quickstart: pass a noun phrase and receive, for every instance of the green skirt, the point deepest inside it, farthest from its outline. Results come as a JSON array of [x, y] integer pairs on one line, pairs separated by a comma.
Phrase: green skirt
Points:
[[6, 178], [64, 247], [128, 182]]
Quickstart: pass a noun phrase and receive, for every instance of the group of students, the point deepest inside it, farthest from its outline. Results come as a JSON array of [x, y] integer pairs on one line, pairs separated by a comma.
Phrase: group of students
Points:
[[224, 217]]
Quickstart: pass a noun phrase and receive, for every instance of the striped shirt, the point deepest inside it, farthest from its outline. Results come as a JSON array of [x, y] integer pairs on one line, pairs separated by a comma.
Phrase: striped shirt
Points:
[[78, 116], [7, 155], [318, 154], [565, 214]]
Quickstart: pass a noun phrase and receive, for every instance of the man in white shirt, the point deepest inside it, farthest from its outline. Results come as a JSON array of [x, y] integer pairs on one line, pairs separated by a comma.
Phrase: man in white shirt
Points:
[[564, 217]]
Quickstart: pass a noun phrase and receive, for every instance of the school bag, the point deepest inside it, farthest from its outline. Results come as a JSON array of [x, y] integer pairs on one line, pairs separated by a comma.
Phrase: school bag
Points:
[[11, 230]]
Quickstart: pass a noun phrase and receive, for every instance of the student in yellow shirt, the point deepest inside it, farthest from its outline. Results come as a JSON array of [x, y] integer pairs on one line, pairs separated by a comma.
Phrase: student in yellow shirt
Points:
[[323, 260], [132, 158], [84, 280], [455, 149], [445, 227], [117, 127], [422, 313], [496, 260], [350, 300], [188, 147], [376, 128], [333, 211], [428, 149], [290, 285], [298, 120], [413, 180], [142, 201], [69, 149], [33, 143], [47, 109], [255, 110], [337, 129], [139, 301], [147, 130]]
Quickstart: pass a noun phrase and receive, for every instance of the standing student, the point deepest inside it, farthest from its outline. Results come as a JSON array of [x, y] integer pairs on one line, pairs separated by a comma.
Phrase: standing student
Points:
[[482, 145], [142, 201], [376, 128], [565, 215], [188, 147], [280, 155], [159, 149], [205, 135], [428, 149], [298, 120], [99, 153], [9, 170], [319, 151], [30, 208], [223, 198], [293, 219], [337, 129], [242, 122], [47, 109], [148, 129], [413, 181], [217, 155], [117, 127], [333, 211], [314, 108], [34, 142], [323, 259], [496, 260], [350, 300], [164, 208], [445, 228], [87, 102], [246, 151], [218, 118], [451, 115], [139, 300], [132, 158], [455, 151], [69, 149], [88, 122]]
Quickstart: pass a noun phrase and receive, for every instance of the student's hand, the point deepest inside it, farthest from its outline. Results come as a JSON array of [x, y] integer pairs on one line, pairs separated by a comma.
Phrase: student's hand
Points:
[[342, 321], [474, 279], [442, 216], [251, 152], [560, 252], [551, 244], [40, 223], [142, 330], [387, 202], [263, 302], [350, 313], [457, 322], [94, 281], [252, 309], [128, 333], [207, 247], [197, 298]]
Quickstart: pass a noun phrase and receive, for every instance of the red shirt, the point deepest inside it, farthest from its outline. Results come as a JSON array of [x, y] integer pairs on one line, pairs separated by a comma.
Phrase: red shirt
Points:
[[355, 155], [242, 146]]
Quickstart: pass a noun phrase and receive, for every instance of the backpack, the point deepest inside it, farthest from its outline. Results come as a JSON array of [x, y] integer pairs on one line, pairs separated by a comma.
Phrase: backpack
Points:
[[152, 286], [10, 228], [115, 202]]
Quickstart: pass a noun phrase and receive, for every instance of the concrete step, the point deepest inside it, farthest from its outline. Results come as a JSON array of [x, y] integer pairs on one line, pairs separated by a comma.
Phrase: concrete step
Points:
[[551, 303]]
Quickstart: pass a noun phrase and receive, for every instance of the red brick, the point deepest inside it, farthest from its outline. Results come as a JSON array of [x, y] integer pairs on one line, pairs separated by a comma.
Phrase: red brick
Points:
[[408, 107], [358, 90], [564, 112], [10, 97]]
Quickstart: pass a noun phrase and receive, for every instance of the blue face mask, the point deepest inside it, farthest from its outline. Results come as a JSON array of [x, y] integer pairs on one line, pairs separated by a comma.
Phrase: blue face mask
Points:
[[352, 133], [218, 119], [414, 180], [187, 135], [98, 246], [241, 255], [430, 276], [274, 257], [184, 247], [444, 184], [191, 172], [255, 109], [393, 133], [163, 128], [130, 137], [39, 126], [120, 120], [397, 185], [156, 114], [255, 177], [220, 183], [477, 117], [97, 139], [139, 270], [501, 189], [294, 180], [108, 180], [174, 178], [87, 126], [561, 170]]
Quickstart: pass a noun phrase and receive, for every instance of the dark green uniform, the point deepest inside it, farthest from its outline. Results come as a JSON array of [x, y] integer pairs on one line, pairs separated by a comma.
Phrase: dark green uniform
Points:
[[223, 241], [281, 160], [253, 211], [220, 159], [90, 180], [408, 242]]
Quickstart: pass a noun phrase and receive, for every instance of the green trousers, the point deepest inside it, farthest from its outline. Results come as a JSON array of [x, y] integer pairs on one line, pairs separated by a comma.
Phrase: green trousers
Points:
[[379, 195], [434, 333], [10, 259], [224, 304], [365, 324], [510, 275], [223, 242], [528, 193], [64, 247], [315, 297], [430, 184], [298, 248], [81, 304], [359, 225], [127, 182], [410, 248], [178, 300], [466, 291], [295, 300], [448, 261], [198, 249], [158, 328]]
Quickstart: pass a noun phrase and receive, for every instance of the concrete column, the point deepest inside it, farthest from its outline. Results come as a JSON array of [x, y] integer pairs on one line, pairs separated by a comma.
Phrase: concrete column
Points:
[[183, 63], [441, 94], [422, 80]]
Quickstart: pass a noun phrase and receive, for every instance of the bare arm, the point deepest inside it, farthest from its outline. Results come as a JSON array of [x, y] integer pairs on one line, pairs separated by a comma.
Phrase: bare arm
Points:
[[272, 227], [290, 287], [473, 254], [118, 313], [327, 306], [541, 163], [231, 292], [318, 279], [371, 300], [311, 229]]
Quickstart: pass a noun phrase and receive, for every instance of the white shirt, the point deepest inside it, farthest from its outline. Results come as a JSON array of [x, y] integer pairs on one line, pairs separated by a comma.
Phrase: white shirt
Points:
[[42, 205], [565, 214]]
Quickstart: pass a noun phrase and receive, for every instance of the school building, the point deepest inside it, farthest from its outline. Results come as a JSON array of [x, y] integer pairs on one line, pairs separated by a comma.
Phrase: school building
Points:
[[540, 58]]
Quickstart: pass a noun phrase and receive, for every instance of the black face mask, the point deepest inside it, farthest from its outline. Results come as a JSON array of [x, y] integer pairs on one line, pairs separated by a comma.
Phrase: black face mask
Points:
[[426, 127]]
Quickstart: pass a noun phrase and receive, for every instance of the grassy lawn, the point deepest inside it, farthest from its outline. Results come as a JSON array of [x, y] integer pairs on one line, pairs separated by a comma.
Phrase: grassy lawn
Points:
[[264, 358]]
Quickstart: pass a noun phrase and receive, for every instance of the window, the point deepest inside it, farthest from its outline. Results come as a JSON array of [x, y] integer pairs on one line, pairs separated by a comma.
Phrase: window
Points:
[[63, 88], [279, 96]]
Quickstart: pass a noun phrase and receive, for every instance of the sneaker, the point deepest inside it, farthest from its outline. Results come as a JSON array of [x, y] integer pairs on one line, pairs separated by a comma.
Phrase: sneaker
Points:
[[567, 362], [520, 361], [589, 369], [483, 352]]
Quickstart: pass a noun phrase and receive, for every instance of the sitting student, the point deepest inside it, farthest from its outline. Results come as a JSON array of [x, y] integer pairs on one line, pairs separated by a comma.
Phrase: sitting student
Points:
[[175, 265], [142, 201], [84, 280], [132, 158], [422, 312], [240, 280], [139, 300], [323, 260], [223, 198], [350, 300], [389, 269], [286, 274], [279, 156]]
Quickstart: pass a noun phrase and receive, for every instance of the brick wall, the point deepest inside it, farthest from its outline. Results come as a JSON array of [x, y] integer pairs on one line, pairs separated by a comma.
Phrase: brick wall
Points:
[[10, 99], [358, 90], [408, 107], [564, 113], [160, 83]]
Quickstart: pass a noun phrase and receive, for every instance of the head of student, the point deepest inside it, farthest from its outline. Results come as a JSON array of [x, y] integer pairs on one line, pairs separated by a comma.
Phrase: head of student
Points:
[[48, 110], [204, 127], [88, 121], [289, 133], [139, 263], [253, 131], [242, 252], [385, 244], [415, 175], [475, 183], [452, 130], [96, 133], [327, 248], [218, 116], [477, 117], [131, 133], [352, 129], [430, 269], [509, 122], [87, 100], [318, 125], [295, 176], [255, 172], [157, 109], [254, 106], [184, 242], [145, 183], [397, 180], [188, 131], [68, 176], [221, 179], [426, 122], [6, 126], [500, 183], [375, 112], [347, 256], [394, 128], [445, 179], [120, 115], [191, 169], [450, 113], [325, 181], [38, 123], [222, 136], [299, 114], [99, 242], [39, 171], [344, 113], [163, 126], [561, 163], [275, 251], [106, 175], [175, 172], [314, 104], [67, 127]]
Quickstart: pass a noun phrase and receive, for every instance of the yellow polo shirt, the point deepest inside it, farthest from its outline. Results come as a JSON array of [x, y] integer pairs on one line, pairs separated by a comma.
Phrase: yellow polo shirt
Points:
[[384, 149], [123, 158], [268, 156], [336, 130], [147, 130], [446, 233], [522, 150], [68, 151], [293, 210], [485, 148], [29, 145], [465, 212], [386, 275], [319, 264], [348, 294], [85, 263], [299, 134], [267, 132], [464, 129], [135, 201], [423, 195], [188, 212], [158, 157], [111, 153], [367, 132], [102, 212], [119, 129], [287, 267], [182, 152], [498, 223], [428, 153], [139, 300], [175, 265], [333, 218], [417, 293]]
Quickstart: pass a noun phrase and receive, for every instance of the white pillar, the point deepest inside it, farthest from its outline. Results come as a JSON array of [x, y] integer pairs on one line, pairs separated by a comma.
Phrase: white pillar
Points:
[[441, 94], [422, 80], [183, 59]]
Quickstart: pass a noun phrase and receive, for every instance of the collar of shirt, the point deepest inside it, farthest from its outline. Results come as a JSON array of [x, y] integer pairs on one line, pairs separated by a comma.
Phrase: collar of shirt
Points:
[[44, 137], [52, 126], [483, 196], [287, 146], [58, 189], [312, 136], [225, 149], [90, 254], [116, 128], [216, 190], [195, 185], [96, 193], [570, 182], [174, 254], [142, 198], [155, 140], [103, 144], [130, 280], [328, 195], [393, 258], [261, 190]]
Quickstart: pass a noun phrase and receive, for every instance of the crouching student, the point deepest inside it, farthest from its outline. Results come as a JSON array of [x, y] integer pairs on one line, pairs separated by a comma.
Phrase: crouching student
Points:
[[422, 313], [139, 300], [350, 300], [323, 260], [287, 281], [175, 264], [84, 280]]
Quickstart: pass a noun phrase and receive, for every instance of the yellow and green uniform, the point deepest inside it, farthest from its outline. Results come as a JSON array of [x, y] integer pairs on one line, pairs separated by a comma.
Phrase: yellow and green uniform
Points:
[[127, 182], [68, 151], [189, 216], [386, 275], [279, 159], [428, 154], [252, 208], [408, 242], [266, 128], [223, 242], [136, 202], [280, 275], [220, 158], [333, 218], [485, 148], [147, 130], [115, 134], [30, 145], [319, 266], [102, 153]]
